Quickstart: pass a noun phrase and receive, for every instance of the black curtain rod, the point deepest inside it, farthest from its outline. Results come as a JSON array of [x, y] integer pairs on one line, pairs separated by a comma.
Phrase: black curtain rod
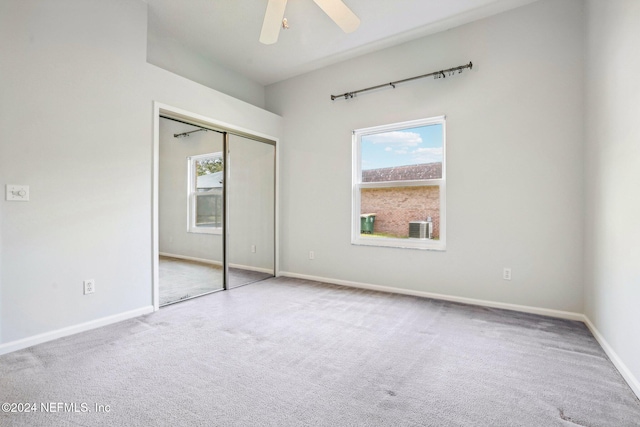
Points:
[[436, 74]]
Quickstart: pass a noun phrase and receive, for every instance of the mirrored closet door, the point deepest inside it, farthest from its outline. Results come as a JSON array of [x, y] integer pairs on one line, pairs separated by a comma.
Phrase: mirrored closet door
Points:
[[251, 210], [190, 211], [216, 210]]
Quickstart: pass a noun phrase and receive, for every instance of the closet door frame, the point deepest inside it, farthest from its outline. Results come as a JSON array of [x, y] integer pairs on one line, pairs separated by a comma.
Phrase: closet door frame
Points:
[[160, 109]]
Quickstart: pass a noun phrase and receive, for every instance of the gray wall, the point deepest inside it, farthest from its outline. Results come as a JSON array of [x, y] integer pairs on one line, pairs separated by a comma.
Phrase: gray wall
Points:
[[251, 203], [612, 230], [76, 120], [514, 144], [168, 53]]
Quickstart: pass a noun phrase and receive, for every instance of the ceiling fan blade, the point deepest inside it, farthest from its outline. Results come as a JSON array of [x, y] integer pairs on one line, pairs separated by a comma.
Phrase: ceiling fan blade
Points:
[[272, 21], [340, 13]]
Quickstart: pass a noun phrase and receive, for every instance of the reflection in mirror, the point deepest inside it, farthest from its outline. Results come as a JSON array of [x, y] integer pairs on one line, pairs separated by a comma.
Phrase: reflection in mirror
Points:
[[251, 211], [189, 211]]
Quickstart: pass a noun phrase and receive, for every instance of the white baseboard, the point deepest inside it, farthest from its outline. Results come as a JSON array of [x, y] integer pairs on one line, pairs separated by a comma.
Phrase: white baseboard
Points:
[[484, 303], [251, 268], [212, 262], [626, 373], [190, 258], [70, 330]]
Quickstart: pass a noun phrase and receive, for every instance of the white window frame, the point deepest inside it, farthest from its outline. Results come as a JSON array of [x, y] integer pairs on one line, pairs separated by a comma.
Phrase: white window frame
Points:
[[358, 185], [192, 195]]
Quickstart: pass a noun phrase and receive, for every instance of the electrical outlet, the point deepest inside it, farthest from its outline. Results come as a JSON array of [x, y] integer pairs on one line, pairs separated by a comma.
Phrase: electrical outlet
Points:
[[89, 286], [506, 274], [253, 249], [312, 255]]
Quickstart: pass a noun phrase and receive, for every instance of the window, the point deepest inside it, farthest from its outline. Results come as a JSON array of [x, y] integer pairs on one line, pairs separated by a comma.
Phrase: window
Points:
[[206, 176], [399, 185]]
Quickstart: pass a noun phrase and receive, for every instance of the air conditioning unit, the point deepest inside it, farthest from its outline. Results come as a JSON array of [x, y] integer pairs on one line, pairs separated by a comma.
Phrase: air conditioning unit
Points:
[[420, 229]]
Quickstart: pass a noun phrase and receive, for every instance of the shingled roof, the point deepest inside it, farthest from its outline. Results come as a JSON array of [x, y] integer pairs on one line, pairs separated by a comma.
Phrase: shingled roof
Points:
[[403, 173]]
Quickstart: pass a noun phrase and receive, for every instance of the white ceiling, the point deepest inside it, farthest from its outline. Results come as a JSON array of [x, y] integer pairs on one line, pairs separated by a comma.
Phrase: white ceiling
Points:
[[227, 31]]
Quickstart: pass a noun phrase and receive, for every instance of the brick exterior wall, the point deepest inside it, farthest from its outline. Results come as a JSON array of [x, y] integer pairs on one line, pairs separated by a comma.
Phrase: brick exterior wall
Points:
[[396, 207], [403, 173]]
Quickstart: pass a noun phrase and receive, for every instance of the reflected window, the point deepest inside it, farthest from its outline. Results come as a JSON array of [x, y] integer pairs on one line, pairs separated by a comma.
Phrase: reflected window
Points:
[[206, 178]]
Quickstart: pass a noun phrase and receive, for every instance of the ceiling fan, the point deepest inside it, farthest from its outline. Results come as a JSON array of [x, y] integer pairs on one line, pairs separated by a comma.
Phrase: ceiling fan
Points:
[[274, 18]]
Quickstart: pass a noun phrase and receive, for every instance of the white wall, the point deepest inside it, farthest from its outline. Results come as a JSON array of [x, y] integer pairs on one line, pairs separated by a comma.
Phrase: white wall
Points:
[[514, 189], [172, 188], [76, 119], [612, 229], [168, 53]]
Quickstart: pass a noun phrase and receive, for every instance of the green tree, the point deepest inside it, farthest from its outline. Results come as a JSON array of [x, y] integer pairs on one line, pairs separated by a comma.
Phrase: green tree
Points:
[[210, 165]]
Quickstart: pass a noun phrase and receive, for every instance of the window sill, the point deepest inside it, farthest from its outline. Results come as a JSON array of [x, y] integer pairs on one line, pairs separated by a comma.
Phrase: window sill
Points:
[[421, 244], [205, 230]]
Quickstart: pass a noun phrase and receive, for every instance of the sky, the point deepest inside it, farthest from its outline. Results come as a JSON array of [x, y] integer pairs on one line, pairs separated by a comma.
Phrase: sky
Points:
[[402, 147]]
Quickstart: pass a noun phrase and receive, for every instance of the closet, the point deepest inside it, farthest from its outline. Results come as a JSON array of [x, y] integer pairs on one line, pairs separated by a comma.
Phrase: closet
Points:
[[216, 209]]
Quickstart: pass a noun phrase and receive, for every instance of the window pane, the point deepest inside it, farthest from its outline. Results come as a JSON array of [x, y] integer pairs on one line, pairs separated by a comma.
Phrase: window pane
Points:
[[400, 212], [209, 209], [209, 176], [401, 155]]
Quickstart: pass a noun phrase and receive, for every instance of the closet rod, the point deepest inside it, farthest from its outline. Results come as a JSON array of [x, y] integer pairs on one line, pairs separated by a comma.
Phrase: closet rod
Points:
[[220, 129], [436, 74], [183, 134]]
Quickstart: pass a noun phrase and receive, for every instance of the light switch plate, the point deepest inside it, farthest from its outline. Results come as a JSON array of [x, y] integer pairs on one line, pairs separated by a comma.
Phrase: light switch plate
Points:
[[17, 193]]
